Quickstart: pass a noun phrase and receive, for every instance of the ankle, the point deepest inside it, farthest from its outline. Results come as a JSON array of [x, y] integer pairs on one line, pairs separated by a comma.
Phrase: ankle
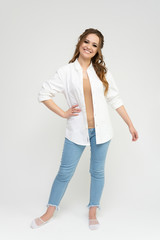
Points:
[[92, 214], [46, 216], [50, 210]]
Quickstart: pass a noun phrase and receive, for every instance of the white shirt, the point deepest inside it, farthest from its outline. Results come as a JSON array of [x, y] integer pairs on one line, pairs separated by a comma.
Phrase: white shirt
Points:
[[68, 80]]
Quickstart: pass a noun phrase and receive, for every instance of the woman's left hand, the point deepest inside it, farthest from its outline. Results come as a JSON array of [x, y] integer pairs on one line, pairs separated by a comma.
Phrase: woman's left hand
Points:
[[134, 133]]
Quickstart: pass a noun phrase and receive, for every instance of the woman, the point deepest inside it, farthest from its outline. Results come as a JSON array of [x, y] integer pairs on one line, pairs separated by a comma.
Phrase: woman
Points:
[[87, 86]]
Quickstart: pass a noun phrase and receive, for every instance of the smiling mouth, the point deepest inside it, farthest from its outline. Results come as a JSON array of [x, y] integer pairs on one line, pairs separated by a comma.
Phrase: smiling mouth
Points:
[[87, 51]]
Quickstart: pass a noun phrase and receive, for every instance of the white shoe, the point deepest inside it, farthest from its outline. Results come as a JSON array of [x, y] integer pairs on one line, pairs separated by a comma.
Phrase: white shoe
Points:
[[35, 225], [93, 224]]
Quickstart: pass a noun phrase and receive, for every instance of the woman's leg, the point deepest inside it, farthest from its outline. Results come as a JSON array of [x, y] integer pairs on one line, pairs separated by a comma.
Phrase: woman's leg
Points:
[[97, 168], [70, 158]]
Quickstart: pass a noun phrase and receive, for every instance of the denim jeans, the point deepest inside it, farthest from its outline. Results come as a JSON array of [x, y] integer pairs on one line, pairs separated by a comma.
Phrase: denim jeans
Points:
[[70, 158]]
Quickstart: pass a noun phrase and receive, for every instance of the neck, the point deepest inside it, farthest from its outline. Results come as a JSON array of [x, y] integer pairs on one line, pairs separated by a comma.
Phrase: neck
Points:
[[84, 62]]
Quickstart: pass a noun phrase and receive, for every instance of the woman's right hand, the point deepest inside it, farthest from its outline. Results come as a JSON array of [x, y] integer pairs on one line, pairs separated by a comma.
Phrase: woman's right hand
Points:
[[72, 111]]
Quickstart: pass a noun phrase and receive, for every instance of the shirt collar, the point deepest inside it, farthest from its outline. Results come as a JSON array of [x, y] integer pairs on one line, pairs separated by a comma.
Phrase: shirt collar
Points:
[[78, 66]]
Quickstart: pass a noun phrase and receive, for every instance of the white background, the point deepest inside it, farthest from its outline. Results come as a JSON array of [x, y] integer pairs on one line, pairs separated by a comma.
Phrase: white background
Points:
[[37, 37]]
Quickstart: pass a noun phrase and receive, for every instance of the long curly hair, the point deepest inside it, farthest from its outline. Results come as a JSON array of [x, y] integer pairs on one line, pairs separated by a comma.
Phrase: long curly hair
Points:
[[97, 60]]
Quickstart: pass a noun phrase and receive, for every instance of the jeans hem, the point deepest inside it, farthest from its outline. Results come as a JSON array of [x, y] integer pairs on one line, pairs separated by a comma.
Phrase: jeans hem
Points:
[[57, 207], [93, 205]]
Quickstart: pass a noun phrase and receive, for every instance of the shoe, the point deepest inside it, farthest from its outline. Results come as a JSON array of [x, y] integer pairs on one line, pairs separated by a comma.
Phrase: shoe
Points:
[[93, 224], [35, 225]]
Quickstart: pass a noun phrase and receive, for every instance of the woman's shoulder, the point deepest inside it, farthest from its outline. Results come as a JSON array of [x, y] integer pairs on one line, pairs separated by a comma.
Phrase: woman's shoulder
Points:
[[65, 67]]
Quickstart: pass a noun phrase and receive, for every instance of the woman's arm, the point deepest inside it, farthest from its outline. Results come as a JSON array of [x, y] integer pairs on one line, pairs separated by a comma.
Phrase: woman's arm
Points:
[[73, 111], [54, 107], [123, 113]]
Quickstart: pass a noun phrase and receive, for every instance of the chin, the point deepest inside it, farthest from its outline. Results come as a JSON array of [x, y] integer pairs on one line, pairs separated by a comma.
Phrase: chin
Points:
[[85, 56]]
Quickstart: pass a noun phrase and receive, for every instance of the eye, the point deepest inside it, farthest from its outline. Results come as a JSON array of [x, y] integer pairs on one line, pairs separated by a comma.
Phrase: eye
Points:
[[87, 42]]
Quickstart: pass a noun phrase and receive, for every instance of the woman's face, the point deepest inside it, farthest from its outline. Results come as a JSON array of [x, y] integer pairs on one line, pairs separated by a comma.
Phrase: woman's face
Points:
[[89, 46]]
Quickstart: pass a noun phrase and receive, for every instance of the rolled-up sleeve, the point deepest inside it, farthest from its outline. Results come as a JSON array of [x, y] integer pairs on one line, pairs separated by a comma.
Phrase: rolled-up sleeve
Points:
[[51, 87], [113, 96]]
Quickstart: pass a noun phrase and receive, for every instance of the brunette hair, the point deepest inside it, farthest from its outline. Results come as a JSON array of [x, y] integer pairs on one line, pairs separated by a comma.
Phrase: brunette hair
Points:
[[97, 60]]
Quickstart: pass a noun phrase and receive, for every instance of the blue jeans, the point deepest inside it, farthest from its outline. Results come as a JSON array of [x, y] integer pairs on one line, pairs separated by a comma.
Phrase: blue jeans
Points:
[[70, 158]]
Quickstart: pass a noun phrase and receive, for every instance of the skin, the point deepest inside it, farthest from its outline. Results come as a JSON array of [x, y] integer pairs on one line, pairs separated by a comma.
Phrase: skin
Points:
[[90, 43]]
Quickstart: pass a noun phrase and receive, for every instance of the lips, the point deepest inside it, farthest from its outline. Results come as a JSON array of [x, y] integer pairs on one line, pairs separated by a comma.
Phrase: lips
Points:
[[86, 50]]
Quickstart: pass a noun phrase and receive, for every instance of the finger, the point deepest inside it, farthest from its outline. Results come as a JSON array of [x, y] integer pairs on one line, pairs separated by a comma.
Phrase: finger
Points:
[[73, 111], [75, 105], [135, 135], [74, 114], [77, 110]]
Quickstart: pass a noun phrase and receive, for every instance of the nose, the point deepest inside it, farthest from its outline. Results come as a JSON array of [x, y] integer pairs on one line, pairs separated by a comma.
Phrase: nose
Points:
[[89, 47]]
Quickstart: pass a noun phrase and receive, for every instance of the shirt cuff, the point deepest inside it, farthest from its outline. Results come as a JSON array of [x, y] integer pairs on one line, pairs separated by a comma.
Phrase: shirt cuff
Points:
[[116, 102]]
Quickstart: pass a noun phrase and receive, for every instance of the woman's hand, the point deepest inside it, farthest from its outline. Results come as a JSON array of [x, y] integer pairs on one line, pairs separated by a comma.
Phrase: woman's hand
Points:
[[134, 133], [72, 111]]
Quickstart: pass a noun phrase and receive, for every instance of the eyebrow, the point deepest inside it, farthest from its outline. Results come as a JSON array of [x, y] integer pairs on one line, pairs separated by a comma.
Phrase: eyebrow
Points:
[[93, 42]]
